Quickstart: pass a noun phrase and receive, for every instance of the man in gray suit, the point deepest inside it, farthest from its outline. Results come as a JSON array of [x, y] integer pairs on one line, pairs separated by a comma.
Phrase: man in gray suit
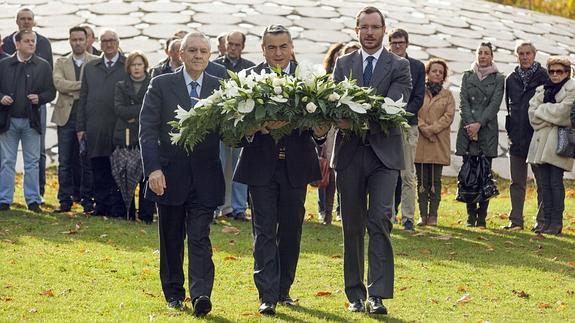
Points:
[[369, 167]]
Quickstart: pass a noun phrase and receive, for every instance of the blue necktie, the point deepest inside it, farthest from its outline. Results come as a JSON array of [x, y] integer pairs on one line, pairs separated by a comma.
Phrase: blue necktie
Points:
[[368, 71], [194, 93]]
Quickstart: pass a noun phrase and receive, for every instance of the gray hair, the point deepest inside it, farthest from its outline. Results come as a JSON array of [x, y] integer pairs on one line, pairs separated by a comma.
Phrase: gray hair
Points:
[[109, 30], [194, 34], [521, 43], [275, 30]]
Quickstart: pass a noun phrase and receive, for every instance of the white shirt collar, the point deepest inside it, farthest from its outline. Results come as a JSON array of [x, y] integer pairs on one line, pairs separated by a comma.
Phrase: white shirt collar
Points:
[[376, 55], [189, 79], [287, 69], [80, 60], [114, 59], [20, 59]]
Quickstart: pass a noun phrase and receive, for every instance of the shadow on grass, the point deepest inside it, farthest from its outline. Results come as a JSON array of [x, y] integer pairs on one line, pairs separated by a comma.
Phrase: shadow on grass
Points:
[[334, 317]]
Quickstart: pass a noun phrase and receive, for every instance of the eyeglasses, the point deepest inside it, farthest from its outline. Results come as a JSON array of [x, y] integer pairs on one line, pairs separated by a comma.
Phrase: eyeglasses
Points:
[[110, 41], [558, 72], [367, 28], [398, 43]]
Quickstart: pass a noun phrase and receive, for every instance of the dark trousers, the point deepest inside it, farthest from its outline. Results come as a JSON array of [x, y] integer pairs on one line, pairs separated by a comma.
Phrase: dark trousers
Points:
[[42, 165], [366, 175], [397, 196], [145, 206], [277, 217], [107, 195], [428, 188], [550, 184], [478, 211], [175, 223], [74, 171], [518, 169], [326, 197]]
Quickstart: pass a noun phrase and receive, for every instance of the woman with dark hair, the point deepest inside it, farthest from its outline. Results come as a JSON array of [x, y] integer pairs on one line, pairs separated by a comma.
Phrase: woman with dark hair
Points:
[[481, 95], [128, 100], [433, 150], [549, 109]]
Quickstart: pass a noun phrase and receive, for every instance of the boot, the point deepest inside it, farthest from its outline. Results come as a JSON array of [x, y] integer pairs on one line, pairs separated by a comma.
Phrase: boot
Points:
[[554, 228], [471, 215], [432, 221], [482, 214], [423, 221]]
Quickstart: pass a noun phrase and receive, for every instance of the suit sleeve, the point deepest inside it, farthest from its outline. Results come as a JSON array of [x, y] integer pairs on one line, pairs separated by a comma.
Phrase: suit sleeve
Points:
[[61, 83], [338, 72], [418, 91], [81, 113], [150, 126], [490, 112], [400, 86], [49, 92]]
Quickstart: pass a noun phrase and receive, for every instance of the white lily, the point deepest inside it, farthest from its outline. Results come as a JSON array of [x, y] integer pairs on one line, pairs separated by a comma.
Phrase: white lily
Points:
[[246, 106], [278, 90], [393, 107], [231, 92], [182, 114], [175, 137], [278, 99]]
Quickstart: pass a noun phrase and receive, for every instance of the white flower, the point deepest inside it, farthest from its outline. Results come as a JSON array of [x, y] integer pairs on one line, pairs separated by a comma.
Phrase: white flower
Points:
[[278, 81], [393, 107], [366, 106], [311, 107], [333, 97], [231, 92], [182, 114], [356, 107], [277, 90], [278, 99], [246, 106], [175, 137]]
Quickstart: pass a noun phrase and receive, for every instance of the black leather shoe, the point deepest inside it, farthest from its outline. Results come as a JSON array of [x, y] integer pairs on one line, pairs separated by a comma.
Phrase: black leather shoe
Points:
[[375, 306], [176, 304], [202, 306], [241, 217], [553, 229], [287, 301], [513, 227], [4, 207], [64, 208], [357, 306], [267, 309], [541, 228], [34, 207]]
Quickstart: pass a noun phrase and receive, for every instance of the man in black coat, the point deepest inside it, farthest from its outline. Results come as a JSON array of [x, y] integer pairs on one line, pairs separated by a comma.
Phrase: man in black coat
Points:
[[187, 187], [369, 168], [277, 175], [520, 87], [405, 192], [25, 21], [96, 120], [25, 84]]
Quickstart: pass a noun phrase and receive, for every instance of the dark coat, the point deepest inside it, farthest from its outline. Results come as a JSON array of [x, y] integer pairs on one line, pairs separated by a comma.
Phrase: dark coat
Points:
[[241, 65], [391, 78], [519, 130], [199, 171], [96, 108], [163, 67], [3, 55], [39, 75], [214, 69], [127, 106], [573, 116], [43, 47], [258, 158], [417, 70], [480, 102]]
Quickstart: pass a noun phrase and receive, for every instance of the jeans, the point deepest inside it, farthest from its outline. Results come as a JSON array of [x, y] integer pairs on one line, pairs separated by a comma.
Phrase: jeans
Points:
[[20, 130], [69, 170], [42, 165], [236, 193], [550, 184]]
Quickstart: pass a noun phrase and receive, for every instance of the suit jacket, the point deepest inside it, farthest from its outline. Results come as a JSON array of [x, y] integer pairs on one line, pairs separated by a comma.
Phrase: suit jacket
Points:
[[241, 65], [391, 78], [43, 47], [214, 69], [258, 158], [199, 170], [415, 102], [67, 86], [96, 108]]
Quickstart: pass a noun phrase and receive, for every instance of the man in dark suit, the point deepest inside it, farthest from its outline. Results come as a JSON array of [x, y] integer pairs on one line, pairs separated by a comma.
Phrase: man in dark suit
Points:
[[277, 175], [186, 187], [405, 192], [369, 167], [96, 119], [235, 202]]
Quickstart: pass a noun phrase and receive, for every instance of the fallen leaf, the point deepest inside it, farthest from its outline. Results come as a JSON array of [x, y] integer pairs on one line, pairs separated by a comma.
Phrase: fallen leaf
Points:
[[571, 264], [434, 301], [539, 237], [464, 299], [5, 298], [521, 294], [148, 293], [442, 238], [502, 216], [509, 243], [403, 288], [543, 306], [336, 257], [462, 288], [453, 253], [144, 231], [231, 230], [230, 258], [490, 249], [560, 306], [103, 236], [32, 310], [482, 238], [570, 292], [419, 234], [9, 241], [232, 242], [323, 293], [554, 259], [48, 293], [425, 251], [251, 314], [66, 292]]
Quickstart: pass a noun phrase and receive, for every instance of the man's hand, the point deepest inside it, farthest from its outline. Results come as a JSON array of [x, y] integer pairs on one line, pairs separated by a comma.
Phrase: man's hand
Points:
[[473, 130], [7, 100], [33, 98], [81, 135], [272, 125], [320, 131], [343, 124], [157, 182]]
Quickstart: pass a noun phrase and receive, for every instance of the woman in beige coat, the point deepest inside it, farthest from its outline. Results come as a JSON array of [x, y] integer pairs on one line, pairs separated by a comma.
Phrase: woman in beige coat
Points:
[[549, 109], [433, 148]]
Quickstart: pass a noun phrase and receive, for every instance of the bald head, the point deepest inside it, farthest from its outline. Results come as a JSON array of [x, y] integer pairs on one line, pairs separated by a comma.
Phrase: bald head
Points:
[[235, 42]]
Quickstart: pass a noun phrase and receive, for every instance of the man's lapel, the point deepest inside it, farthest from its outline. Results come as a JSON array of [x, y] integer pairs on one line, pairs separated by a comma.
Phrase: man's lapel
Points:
[[380, 72], [357, 67], [69, 72], [181, 89]]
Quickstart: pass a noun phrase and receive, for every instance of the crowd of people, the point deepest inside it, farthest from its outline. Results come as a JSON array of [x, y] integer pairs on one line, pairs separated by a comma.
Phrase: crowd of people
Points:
[[112, 111]]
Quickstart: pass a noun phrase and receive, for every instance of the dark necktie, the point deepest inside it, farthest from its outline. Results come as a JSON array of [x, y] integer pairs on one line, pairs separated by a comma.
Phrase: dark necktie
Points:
[[110, 64], [368, 71], [194, 93]]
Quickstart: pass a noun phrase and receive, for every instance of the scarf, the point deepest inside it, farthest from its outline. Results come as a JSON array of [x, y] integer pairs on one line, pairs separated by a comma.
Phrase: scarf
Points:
[[526, 75], [483, 72], [551, 90], [434, 88]]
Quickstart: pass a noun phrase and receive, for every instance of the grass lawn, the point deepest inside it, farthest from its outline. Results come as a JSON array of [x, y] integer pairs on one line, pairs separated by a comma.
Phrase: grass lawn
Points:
[[70, 267]]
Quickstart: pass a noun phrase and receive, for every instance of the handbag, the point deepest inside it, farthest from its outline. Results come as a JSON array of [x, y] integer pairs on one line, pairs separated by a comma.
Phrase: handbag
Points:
[[566, 142], [475, 182], [324, 169]]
